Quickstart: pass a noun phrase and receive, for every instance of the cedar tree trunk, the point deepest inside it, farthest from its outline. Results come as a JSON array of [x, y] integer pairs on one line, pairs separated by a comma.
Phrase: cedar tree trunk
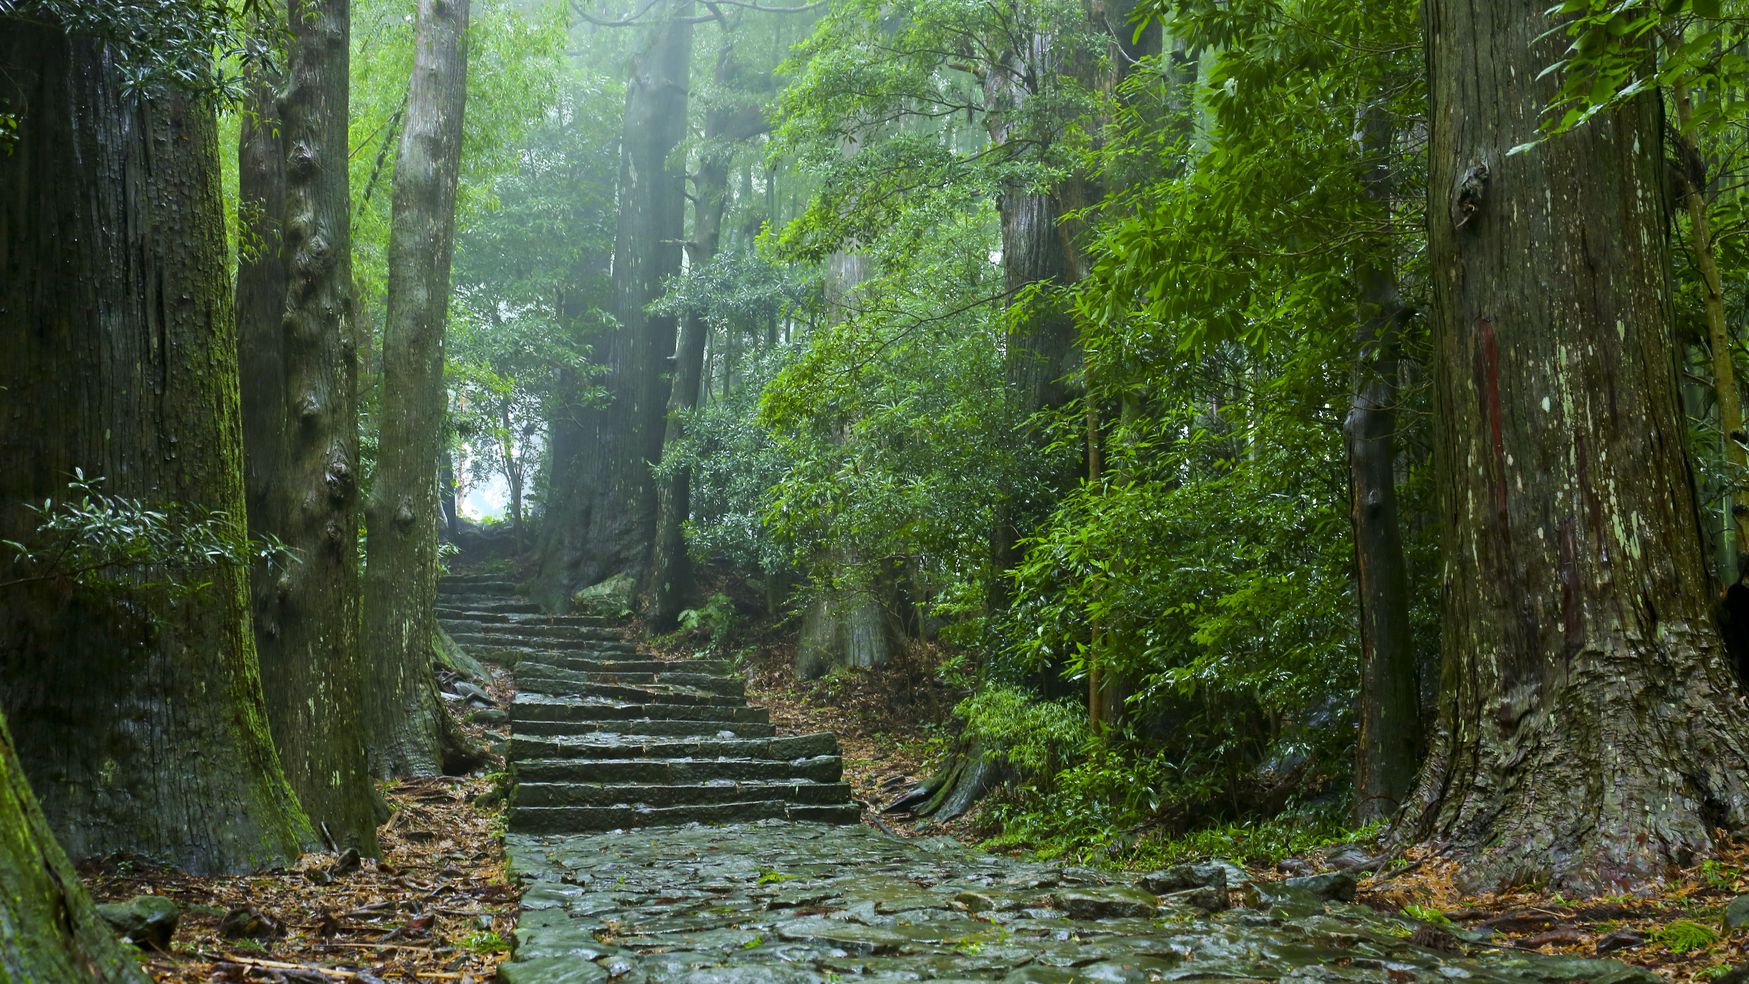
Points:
[[1590, 734], [670, 580], [1388, 750], [602, 517], [301, 425], [138, 716], [400, 622]]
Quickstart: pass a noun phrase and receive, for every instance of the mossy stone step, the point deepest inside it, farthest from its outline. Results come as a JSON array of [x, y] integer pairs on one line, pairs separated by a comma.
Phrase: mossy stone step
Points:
[[819, 768], [515, 640], [547, 707], [494, 618], [531, 629], [605, 747], [571, 819], [629, 796], [649, 729], [615, 663], [495, 604], [656, 693], [531, 673]]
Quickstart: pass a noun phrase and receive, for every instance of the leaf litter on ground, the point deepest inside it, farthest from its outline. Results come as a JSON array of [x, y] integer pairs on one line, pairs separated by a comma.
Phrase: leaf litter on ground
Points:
[[438, 905]]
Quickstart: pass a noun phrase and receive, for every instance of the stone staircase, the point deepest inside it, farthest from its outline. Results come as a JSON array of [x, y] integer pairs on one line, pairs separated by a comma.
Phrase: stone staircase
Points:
[[604, 738]]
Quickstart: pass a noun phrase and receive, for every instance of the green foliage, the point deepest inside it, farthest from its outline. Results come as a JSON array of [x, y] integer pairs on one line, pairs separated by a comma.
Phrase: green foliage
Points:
[[1621, 51], [198, 45], [1427, 914], [1035, 738], [486, 941], [1685, 936], [716, 620], [115, 543]]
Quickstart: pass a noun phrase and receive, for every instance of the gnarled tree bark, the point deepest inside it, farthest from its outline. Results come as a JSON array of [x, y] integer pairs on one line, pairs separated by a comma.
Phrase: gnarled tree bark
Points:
[[301, 421]]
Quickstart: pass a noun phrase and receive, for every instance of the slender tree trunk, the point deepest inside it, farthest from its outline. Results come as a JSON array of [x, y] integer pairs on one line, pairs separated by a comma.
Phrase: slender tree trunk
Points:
[[50, 932], [1732, 438], [1590, 734], [1389, 748], [446, 491], [300, 419], [602, 520], [401, 578], [138, 718]]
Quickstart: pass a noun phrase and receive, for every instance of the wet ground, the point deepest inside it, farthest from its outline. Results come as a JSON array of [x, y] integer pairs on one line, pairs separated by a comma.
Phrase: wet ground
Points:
[[779, 901]]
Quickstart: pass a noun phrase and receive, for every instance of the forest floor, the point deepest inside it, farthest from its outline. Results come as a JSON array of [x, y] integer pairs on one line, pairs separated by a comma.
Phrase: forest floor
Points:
[[894, 725], [436, 906]]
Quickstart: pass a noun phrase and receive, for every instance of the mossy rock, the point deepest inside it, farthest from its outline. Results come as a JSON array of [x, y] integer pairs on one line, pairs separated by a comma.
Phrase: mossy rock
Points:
[[612, 598]]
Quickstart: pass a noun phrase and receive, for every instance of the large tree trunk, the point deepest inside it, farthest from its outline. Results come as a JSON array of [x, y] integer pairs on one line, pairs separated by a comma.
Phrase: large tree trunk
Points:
[[602, 519], [1389, 748], [50, 932], [401, 579], [138, 716], [1590, 734], [670, 580], [300, 418]]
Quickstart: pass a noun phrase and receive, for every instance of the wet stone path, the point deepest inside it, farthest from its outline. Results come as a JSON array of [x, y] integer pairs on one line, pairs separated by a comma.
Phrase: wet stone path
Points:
[[663, 833], [776, 902]]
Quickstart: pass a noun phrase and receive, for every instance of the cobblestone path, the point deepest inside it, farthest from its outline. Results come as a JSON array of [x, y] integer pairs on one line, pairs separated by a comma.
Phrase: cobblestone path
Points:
[[665, 835]]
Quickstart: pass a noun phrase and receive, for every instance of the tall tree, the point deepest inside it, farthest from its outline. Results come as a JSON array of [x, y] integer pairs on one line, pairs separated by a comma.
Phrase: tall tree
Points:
[[137, 714], [670, 577], [602, 517], [1590, 734], [300, 414], [405, 719], [1388, 750]]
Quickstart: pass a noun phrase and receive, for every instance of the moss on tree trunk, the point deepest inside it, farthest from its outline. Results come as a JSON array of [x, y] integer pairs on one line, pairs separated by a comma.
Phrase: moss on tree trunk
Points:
[[1590, 734], [138, 716]]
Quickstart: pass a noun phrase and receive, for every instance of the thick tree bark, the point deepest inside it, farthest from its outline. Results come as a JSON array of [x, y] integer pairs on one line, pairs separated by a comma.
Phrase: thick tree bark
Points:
[[1590, 734], [300, 419], [1388, 750], [602, 517], [138, 717], [50, 932], [401, 579]]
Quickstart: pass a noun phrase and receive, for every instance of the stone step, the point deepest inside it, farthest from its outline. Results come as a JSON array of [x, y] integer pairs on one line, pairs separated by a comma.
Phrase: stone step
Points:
[[474, 577], [599, 746], [532, 630], [647, 728], [819, 768], [453, 614], [491, 606], [558, 707], [578, 663], [512, 640], [563, 684], [570, 819], [477, 589], [539, 794], [535, 668]]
